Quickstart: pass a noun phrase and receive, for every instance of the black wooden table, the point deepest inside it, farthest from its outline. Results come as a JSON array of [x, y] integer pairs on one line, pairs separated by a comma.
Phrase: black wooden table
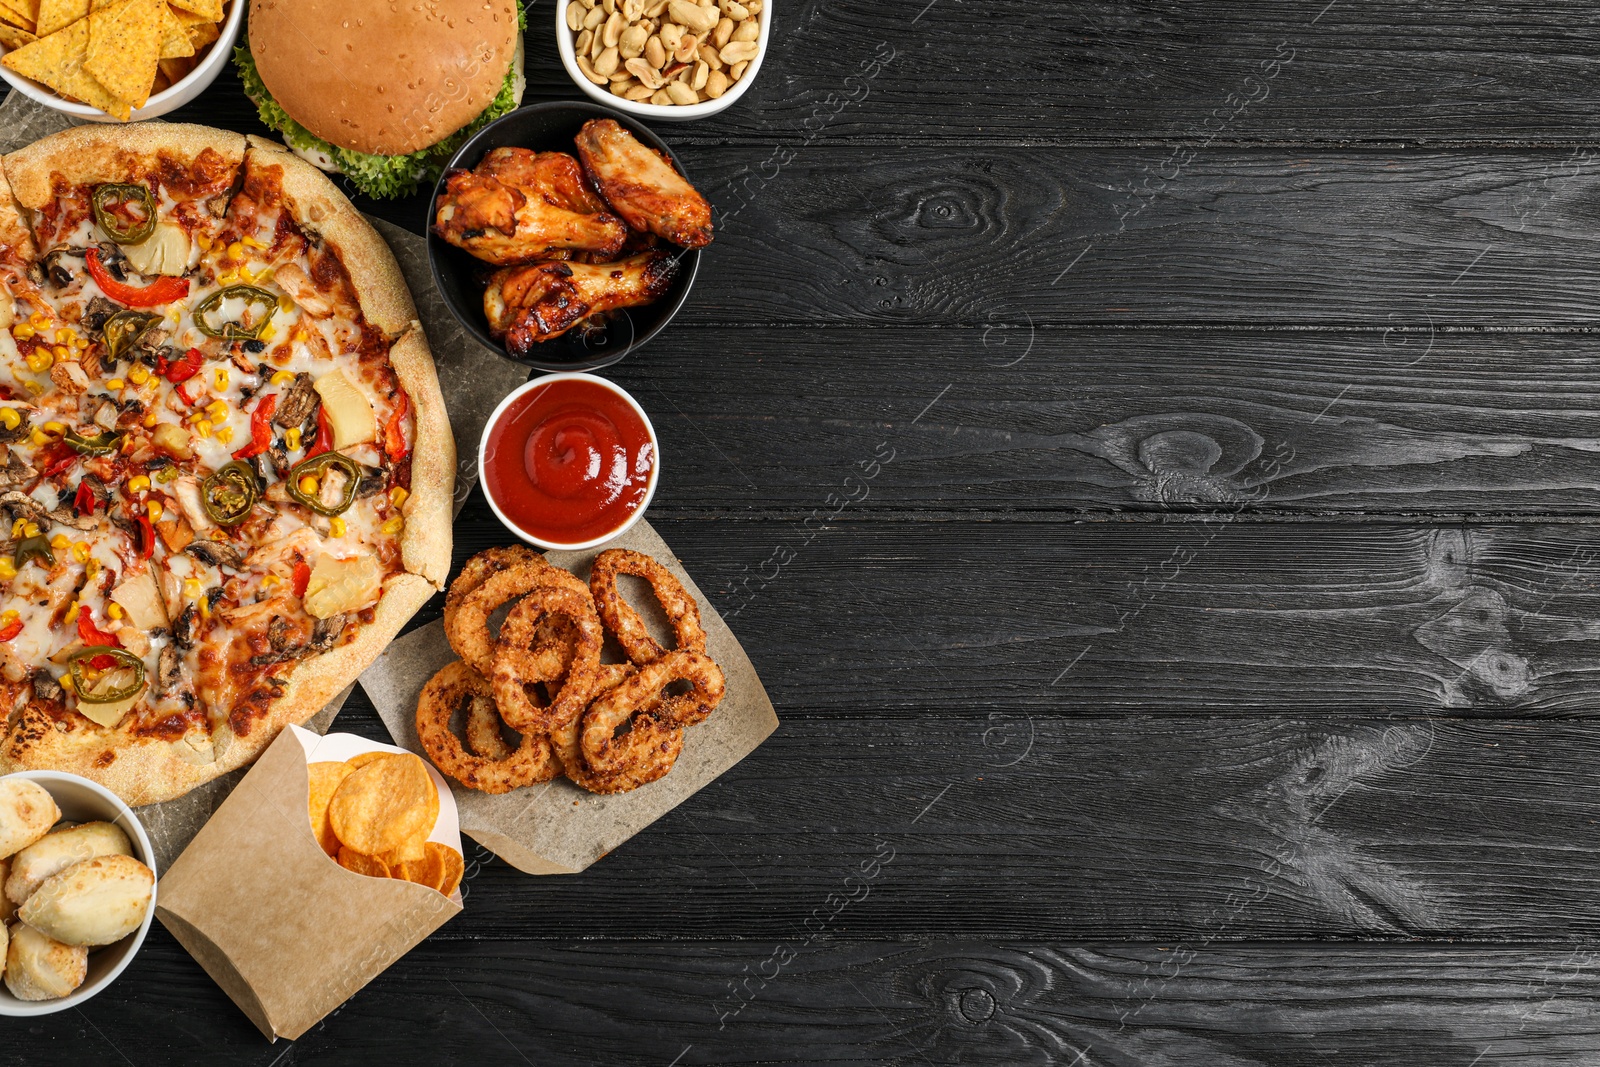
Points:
[[1150, 452]]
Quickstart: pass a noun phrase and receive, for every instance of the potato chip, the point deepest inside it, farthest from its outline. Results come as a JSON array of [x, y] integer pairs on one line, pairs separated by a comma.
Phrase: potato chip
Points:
[[368, 757], [124, 45], [12, 37], [175, 41], [453, 864], [210, 10], [57, 61], [54, 14], [372, 866], [324, 779], [425, 871], [409, 851], [385, 804]]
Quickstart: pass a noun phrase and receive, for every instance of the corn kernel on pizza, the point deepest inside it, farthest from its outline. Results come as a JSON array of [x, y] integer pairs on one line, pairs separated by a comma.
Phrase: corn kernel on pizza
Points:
[[225, 470]]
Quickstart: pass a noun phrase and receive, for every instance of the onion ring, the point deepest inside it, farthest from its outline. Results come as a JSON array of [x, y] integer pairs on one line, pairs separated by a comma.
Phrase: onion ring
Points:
[[648, 739], [483, 731], [625, 623], [534, 760], [567, 742], [479, 568], [468, 628], [519, 662]]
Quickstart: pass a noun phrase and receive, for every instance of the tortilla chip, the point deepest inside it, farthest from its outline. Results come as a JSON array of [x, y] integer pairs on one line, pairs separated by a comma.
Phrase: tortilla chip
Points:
[[175, 70], [12, 37], [175, 41], [124, 45], [55, 14], [210, 10], [11, 14], [58, 61]]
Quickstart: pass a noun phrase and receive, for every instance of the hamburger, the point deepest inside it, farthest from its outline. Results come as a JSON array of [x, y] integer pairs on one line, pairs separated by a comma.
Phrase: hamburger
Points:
[[382, 91]]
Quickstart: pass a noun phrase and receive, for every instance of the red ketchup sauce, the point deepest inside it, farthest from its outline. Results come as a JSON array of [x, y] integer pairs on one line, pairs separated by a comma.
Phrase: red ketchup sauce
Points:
[[568, 462]]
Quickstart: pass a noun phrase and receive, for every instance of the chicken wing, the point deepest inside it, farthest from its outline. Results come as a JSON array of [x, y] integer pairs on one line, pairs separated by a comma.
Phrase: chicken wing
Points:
[[538, 302], [502, 222], [642, 187], [554, 175]]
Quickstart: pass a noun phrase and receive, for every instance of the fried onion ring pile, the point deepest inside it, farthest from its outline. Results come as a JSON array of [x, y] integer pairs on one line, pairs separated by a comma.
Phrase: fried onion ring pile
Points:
[[609, 727]]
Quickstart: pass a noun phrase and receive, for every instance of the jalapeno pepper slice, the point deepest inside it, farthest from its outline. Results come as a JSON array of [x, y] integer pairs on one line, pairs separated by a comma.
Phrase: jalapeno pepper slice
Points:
[[118, 194], [122, 660], [101, 444], [233, 331], [33, 548], [316, 467], [230, 493], [123, 330]]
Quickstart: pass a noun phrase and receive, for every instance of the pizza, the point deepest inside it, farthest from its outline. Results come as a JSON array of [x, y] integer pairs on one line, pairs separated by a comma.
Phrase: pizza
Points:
[[225, 467]]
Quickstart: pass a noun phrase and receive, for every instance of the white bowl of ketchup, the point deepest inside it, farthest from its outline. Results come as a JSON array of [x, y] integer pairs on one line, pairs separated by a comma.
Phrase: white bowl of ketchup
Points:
[[569, 461]]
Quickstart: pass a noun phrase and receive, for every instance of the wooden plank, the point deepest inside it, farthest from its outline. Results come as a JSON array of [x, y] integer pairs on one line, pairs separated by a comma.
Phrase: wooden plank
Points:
[[1013, 416], [1380, 239], [872, 71], [1213, 614], [999, 824], [931, 1001]]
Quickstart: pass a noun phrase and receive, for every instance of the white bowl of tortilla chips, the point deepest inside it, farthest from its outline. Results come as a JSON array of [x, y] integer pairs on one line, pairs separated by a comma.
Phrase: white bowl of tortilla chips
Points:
[[116, 60]]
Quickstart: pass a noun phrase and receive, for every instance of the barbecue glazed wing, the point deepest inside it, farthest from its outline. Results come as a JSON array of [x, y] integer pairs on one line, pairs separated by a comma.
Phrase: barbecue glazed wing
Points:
[[554, 175], [530, 304], [503, 222], [642, 187]]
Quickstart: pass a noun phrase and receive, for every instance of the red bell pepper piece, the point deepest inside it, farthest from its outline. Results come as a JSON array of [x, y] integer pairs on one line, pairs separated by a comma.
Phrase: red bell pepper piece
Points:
[[84, 500], [93, 635], [55, 459], [394, 431], [11, 629], [181, 370], [302, 577], [147, 537], [161, 291], [260, 428], [324, 441]]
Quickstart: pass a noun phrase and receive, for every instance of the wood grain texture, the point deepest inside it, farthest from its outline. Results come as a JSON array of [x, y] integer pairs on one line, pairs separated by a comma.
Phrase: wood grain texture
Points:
[[913, 613], [935, 1000], [1027, 418], [1000, 824]]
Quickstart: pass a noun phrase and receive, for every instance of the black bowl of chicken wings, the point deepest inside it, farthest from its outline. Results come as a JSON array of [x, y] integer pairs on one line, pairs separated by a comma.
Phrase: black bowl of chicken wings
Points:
[[565, 235]]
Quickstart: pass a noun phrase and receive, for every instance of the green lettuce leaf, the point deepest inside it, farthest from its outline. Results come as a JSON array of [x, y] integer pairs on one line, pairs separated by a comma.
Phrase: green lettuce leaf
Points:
[[377, 176]]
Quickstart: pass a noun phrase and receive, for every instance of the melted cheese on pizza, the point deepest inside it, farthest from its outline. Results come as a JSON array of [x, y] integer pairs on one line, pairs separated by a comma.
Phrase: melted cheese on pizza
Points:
[[204, 478]]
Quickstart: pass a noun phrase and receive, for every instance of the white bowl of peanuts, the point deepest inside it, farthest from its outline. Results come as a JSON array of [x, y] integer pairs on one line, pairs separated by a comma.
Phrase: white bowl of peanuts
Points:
[[673, 60]]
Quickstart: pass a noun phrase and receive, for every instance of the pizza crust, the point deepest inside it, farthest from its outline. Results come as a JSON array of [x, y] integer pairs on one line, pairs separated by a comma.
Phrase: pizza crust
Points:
[[430, 510], [143, 771], [321, 208], [15, 237], [94, 153]]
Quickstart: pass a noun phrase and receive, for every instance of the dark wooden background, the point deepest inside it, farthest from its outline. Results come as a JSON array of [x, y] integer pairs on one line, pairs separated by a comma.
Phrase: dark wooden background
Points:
[[1151, 453]]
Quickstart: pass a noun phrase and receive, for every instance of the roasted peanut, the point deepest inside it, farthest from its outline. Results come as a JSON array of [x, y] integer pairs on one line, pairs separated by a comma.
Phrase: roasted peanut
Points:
[[581, 45], [661, 97], [734, 10], [655, 52], [631, 43], [608, 62], [701, 73], [613, 29], [686, 50], [708, 56], [682, 94], [716, 84], [671, 35], [692, 16], [638, 93], [646, 74], [589, 72], [738, 52], [748, 30], [723, 33], [595, 17], [736, 71], [575, 13]]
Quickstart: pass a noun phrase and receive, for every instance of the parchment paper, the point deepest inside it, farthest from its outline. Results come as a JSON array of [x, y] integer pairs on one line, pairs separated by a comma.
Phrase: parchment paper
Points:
[[557, 828], [473, 382]]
